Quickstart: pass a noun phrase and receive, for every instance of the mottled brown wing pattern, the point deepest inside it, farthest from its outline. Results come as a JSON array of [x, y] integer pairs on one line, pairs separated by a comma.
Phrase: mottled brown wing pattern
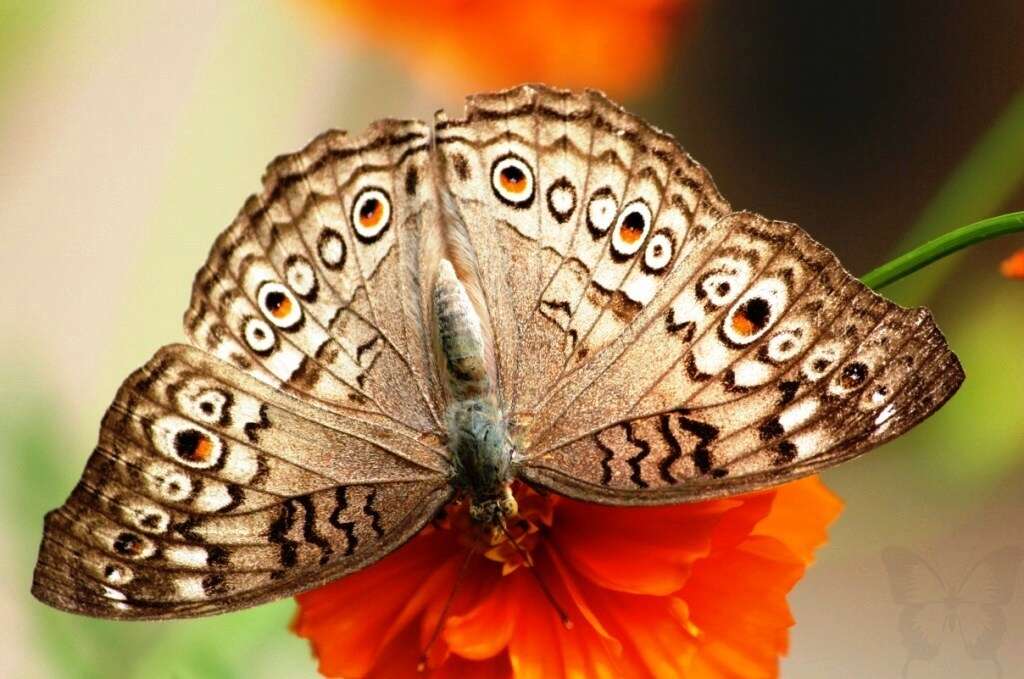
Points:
[[662, 347], [649, 345], [298, 290], [772, 362], [209, 491], [607, 207]]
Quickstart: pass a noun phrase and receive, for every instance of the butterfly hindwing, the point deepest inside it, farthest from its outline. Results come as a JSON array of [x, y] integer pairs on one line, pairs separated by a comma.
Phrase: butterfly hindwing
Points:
[[209, 491]]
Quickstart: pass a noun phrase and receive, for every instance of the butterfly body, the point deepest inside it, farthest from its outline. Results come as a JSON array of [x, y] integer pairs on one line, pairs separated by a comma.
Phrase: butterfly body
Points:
[[548, 289]]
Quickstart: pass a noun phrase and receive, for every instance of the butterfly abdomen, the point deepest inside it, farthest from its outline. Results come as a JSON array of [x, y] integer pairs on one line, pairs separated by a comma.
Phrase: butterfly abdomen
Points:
[[460, 337]]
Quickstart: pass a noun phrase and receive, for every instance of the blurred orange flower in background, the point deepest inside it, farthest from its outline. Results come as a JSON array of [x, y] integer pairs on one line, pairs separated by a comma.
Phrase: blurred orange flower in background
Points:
[[1013, 266], [688, 590], [618, 45]]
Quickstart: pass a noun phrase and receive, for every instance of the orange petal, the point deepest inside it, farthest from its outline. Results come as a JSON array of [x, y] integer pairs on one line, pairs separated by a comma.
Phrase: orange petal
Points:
[[644, 550], [484, 630], [349, 620], [737, 596], [800, 513], [533, 649], [653, 640]]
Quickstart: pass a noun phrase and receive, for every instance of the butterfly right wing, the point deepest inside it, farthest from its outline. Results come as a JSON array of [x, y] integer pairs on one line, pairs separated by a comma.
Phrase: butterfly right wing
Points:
[[210, 491], [315, 288]]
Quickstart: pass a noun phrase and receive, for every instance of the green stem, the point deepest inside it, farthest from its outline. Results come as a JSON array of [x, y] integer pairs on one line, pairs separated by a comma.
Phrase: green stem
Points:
[[943, 246]]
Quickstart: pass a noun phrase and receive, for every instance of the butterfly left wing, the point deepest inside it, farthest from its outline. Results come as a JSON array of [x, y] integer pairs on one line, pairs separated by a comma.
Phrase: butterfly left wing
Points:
[[210, 491]]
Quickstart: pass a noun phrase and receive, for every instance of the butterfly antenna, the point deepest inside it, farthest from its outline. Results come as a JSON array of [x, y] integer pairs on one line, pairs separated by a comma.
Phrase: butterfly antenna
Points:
[[422, 666], [563, 616]]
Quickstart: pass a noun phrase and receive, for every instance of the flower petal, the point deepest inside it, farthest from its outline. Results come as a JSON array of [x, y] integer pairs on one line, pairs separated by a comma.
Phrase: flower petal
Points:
[[349, 620], [484, 630], [737, 596], [800, 513], [604, 542]]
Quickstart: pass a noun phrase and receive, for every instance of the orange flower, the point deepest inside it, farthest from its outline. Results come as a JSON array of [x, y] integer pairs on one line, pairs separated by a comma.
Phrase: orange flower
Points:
[[1013, 266], [689, 590], [618, 45]]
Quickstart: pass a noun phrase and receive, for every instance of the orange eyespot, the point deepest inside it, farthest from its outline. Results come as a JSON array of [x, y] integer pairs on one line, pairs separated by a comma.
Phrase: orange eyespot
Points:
[[279, 305], [513, 179], [632, 228], [371, 212]]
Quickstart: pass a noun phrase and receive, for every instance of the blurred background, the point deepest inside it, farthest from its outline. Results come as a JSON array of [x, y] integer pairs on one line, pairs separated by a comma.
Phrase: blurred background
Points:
[[131, 133]]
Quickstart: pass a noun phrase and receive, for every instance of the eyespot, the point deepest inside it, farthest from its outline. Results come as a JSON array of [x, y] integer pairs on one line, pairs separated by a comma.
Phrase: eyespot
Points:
[[723, 282], [752, 315], [147, 519], [659, 252], [853, 375], [630, 230], [169, 483], [561, 200], [782, 346], [371, 214], [512, 181], [133, 546], [820, 362], [331, 248], [208, 405], [259, 336], [186, 442], [279, 305], [301, 277], [601, 211]]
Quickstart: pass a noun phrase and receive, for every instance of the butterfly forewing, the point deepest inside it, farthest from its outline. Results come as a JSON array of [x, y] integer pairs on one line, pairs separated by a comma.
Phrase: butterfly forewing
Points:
[[294, 291]]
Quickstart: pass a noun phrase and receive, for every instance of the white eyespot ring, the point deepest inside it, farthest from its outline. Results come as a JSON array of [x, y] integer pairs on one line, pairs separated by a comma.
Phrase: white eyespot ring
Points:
[[755, 312], [371, 214], [205, 405], [601, 211], [279, 305], [512, 181], [259, 335], [783, 346], [331, 248], [561, 199], [169, 482], [301, 277], [187, 443], [148, 519], [724, 280], [820, 362], [631, 229], [659, 252]]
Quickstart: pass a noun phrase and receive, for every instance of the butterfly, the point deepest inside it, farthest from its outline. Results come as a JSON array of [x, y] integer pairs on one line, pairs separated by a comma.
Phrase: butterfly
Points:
[[970, 608], [548, 290]]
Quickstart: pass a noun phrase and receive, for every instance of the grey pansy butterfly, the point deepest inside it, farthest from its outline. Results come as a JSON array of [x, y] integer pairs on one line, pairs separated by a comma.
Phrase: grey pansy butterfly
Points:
[[548, 289]]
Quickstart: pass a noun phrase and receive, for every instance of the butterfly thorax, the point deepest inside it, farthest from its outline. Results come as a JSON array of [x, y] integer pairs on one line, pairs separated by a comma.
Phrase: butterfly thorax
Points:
[[478, 436]]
